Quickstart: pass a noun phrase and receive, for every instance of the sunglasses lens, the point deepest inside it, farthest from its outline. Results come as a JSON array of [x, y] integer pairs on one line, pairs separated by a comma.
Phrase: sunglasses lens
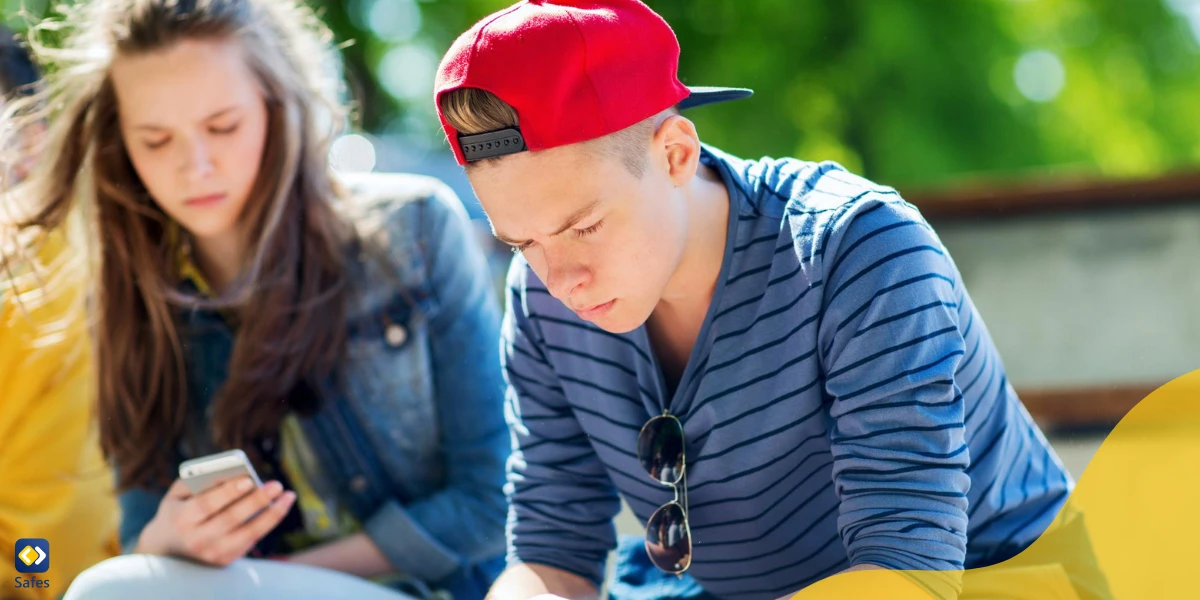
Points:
[[660, 449], [667, 539]]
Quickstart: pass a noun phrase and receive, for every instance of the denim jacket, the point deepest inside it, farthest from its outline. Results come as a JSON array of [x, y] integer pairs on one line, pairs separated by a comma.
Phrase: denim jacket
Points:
[[413, 433]]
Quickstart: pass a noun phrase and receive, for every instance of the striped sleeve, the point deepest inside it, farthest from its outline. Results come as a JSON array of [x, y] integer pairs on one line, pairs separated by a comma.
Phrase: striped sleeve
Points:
[[890, 344], [561, 500]]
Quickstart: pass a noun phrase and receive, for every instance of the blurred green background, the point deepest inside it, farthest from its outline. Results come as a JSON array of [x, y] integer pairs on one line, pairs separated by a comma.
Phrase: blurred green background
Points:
[[916, 93]]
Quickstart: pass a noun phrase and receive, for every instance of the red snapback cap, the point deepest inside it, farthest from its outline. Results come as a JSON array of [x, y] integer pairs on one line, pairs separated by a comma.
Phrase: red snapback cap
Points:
[[574, 70]]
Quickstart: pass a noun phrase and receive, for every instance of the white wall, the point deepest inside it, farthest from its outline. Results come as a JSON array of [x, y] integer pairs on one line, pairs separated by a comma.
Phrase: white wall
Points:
[[1086, 298]]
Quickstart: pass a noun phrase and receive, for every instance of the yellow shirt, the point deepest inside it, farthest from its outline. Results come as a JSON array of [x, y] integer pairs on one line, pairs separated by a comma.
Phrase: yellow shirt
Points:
[[54, 483]]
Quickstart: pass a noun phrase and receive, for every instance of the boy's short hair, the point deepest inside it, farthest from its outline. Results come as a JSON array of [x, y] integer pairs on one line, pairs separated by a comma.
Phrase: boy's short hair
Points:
[[472, 110], [18, 73]]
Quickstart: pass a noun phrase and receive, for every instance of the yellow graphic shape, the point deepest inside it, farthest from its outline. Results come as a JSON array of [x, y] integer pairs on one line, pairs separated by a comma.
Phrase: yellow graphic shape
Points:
[[1130, 529], [28, 555]]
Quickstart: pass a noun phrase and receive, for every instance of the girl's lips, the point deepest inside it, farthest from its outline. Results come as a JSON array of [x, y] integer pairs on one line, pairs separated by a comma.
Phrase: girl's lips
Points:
[[204, 200]]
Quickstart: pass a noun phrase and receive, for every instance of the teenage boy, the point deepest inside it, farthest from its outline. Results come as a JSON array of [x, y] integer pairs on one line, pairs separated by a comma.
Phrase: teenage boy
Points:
[[774, 362]]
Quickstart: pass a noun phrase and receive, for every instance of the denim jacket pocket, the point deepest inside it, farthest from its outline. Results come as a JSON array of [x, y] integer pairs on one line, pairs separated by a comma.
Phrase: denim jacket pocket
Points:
[[388, 382]]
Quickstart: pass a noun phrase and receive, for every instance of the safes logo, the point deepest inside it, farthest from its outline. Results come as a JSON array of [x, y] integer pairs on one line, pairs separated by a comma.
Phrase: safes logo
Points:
[[32, 555]]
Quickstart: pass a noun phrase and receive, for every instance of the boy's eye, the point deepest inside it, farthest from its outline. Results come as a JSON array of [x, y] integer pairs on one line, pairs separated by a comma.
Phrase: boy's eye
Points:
[[590, 230]]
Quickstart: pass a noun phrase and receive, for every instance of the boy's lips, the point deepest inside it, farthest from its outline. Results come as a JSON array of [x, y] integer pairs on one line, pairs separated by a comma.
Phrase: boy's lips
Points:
[[595, 311]]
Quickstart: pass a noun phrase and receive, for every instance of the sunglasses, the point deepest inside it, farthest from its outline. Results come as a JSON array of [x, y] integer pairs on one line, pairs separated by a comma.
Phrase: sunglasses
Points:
[[661, 452]]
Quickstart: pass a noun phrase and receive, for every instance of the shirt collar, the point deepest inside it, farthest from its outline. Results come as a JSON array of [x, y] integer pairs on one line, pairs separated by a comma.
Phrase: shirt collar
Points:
[[185, 263]]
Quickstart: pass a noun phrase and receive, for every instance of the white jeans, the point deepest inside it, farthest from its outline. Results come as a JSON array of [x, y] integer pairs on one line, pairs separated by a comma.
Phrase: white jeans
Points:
[[141, 576]]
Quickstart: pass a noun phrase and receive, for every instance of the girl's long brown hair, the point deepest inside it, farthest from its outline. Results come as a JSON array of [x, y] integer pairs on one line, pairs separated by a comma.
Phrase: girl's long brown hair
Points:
[[291, 295]]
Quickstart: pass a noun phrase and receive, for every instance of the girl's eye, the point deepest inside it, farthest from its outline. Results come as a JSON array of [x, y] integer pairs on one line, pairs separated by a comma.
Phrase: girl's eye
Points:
[[225, 130], [156, 144]]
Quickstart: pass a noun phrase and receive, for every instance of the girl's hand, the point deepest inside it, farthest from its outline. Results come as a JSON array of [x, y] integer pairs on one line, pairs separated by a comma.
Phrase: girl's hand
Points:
[[217, 526]]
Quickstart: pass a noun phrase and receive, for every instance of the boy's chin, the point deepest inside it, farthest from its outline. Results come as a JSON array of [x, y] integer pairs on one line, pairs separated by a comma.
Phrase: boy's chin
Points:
[[620, 321]]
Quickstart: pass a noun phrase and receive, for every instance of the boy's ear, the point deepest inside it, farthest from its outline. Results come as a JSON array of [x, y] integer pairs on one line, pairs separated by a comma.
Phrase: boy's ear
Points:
[[679, 144]]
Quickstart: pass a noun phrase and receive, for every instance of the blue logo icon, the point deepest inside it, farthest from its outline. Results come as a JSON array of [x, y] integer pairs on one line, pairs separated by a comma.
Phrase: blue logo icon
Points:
[[31, 555]]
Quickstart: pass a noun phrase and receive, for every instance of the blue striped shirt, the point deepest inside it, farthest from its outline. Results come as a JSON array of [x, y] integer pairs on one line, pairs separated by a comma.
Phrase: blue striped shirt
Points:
[[844, 403]]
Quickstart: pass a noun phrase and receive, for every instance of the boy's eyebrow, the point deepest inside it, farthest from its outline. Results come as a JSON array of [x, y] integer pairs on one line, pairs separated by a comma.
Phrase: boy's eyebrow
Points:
[[570, 222]]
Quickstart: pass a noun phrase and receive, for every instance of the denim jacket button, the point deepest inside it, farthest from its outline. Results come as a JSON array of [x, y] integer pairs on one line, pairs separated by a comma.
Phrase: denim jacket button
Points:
[[358, 484], [396, 335]]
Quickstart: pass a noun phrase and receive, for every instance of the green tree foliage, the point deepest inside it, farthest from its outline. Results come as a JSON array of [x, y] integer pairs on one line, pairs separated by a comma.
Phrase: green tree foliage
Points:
[[906, 91]]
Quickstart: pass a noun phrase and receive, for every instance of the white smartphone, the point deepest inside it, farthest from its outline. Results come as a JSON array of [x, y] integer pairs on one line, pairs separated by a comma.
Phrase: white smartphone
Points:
[[200, 474]]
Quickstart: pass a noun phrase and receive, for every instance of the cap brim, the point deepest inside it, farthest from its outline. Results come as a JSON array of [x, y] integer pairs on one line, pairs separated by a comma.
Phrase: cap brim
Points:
[[710, 95]]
